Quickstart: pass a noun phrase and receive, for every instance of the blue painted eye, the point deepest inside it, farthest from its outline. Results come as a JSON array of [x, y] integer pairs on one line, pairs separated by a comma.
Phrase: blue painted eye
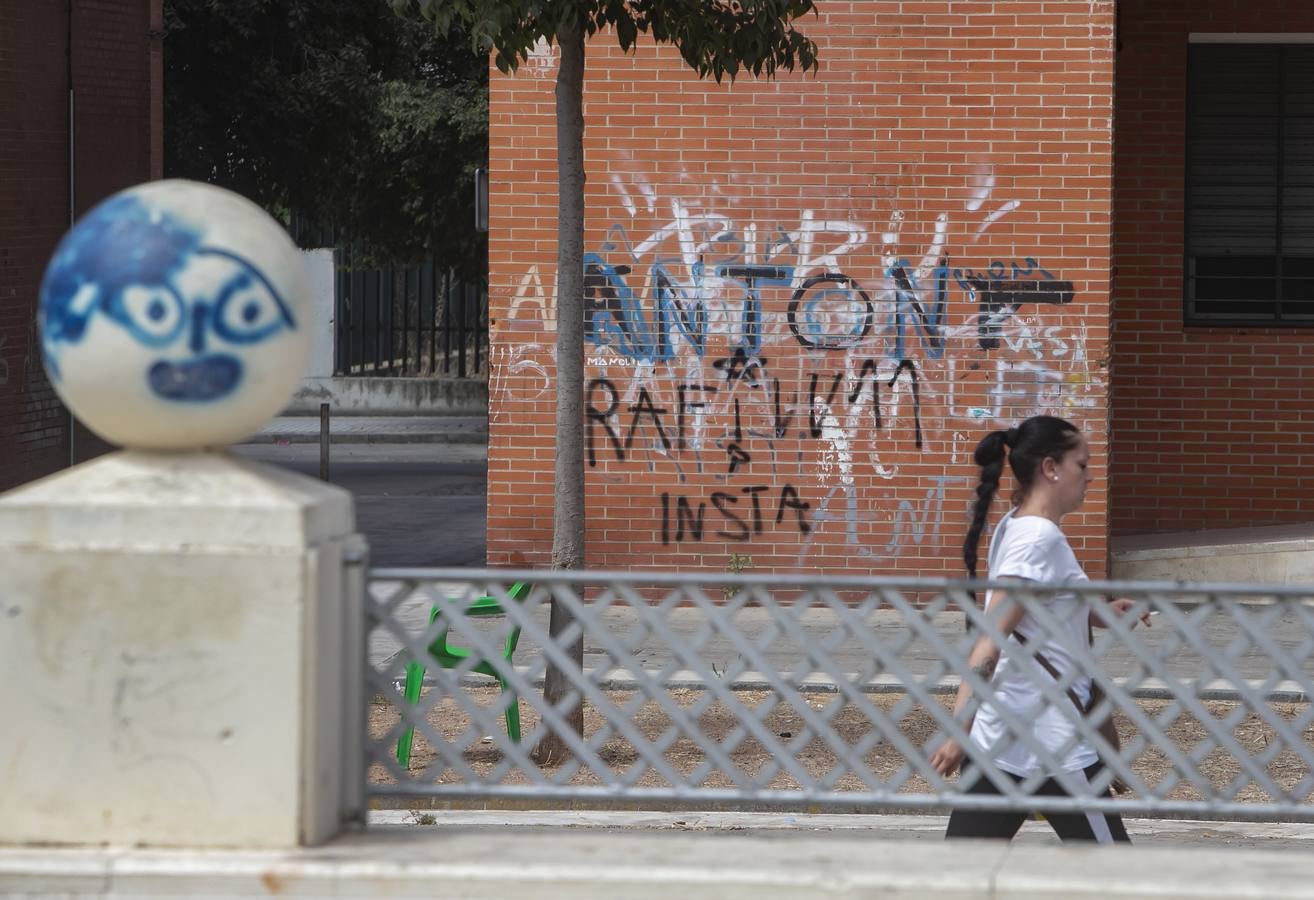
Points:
[[151, 313], [247, 311]]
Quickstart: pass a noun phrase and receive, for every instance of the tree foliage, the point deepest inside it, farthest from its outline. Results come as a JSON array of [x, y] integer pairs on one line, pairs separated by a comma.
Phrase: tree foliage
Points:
[[339, 110], [715, 37]]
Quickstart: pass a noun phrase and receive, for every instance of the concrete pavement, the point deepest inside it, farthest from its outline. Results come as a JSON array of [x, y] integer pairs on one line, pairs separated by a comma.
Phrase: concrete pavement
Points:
[[418, 503], [779, 826], [376, 430], [563, 864]]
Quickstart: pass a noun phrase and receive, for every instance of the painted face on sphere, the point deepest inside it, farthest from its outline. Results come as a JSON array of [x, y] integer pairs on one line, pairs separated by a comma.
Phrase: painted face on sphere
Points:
[[167, 330], [199, 321]]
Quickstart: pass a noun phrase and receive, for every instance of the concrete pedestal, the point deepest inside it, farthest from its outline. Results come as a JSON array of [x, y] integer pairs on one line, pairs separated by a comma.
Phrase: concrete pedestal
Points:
[[181, 645]]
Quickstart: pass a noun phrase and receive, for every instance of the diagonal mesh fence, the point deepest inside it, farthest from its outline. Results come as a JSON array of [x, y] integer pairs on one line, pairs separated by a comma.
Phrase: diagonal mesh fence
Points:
[[749, 692]]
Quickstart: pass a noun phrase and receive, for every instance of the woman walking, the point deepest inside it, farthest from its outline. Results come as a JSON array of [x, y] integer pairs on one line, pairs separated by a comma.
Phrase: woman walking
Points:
[[1050, 460]]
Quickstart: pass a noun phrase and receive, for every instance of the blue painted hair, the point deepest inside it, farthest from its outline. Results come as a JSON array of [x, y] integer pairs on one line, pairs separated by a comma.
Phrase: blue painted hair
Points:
[[119, 243]]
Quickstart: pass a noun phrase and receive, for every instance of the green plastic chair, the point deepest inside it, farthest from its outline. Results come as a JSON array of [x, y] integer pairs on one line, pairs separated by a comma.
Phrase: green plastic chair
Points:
[[448, 657]]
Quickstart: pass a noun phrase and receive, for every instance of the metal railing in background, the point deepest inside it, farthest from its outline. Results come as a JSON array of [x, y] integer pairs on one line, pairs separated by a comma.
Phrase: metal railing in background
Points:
[[705, 691], [398, 320], [416, 320]]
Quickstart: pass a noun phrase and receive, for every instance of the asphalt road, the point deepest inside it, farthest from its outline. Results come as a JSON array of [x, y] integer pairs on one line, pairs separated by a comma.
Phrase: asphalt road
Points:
[[417, 504]]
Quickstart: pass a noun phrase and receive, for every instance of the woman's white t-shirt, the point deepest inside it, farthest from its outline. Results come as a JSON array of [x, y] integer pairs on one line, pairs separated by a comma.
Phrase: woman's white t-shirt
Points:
[[1033, 548]]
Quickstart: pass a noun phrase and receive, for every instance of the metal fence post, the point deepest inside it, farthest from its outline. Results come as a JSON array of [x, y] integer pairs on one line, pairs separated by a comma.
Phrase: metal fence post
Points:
[[324, 442]]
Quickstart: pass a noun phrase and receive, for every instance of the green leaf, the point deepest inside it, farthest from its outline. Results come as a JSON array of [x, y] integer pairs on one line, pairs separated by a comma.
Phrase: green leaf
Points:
[[341, 110]]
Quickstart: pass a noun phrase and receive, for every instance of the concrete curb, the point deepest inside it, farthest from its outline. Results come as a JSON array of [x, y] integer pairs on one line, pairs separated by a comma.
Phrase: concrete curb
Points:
[[884, 826], [375, 429], [456, 437], [479, 863]]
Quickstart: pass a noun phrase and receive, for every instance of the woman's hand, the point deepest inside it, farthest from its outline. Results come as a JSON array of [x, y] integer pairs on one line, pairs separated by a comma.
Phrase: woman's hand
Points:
[[1121, 606], [948, 758]]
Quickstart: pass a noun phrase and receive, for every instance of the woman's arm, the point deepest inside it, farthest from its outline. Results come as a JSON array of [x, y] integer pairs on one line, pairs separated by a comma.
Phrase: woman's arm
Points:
[[1005, 614]]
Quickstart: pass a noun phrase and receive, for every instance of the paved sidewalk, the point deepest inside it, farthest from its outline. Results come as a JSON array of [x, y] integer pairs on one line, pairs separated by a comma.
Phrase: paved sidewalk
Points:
[[376, 430], [479, 863], [790, 826]]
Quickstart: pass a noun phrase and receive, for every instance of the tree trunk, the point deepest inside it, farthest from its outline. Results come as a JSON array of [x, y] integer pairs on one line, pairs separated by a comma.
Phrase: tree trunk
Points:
[[568, 502]]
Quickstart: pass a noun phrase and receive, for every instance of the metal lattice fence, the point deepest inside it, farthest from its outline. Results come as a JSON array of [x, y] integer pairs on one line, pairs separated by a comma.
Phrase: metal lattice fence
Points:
[[828, 693], [400, 320]]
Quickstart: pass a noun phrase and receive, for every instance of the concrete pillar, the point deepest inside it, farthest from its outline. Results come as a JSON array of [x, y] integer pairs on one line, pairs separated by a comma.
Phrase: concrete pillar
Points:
[[180, 630], [181, 643]]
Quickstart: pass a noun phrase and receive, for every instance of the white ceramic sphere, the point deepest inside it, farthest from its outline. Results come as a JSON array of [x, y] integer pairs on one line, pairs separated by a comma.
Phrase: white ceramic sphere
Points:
[[174, 316]]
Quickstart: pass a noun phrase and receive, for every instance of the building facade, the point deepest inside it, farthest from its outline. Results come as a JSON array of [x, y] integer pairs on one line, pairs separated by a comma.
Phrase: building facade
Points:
[[80, 117], [1212, 389], [807, 299]]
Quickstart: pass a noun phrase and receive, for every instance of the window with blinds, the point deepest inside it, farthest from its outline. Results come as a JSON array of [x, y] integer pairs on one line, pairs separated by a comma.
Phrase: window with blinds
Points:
[[1250, 184]]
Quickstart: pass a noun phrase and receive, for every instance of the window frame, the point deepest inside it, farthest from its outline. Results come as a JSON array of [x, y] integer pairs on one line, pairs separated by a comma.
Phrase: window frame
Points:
[[1191, 316]]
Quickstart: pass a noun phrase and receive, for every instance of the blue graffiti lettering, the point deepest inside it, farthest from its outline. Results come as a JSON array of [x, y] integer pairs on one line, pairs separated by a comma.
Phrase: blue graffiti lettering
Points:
[[614, 316]]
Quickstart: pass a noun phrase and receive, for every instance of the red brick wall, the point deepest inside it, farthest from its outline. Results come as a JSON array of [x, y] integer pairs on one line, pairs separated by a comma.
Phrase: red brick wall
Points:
[[946, 154], [112, 62], [115, 140], [33, 215], [1212, 427]]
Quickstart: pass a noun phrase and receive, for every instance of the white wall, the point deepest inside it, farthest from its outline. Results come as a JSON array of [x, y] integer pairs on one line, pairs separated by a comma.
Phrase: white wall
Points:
[[319, 276]]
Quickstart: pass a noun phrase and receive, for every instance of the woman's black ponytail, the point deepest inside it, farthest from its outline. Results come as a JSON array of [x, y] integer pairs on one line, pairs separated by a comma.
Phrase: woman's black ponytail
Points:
[[989, 456]]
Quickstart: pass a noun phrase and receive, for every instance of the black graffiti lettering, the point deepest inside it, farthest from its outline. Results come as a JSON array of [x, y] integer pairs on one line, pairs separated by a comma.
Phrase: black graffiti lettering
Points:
[[907, 365], [868, 368], [644, 406], [741, 533], [752, 316], [737, 457], [789, 498], [751, 273], [741, 367], [594, 415], [830, 328], [752, 492], [1000, 299], [781, 421], [600, 295], [684, 513], [690, 516], [830, 401]]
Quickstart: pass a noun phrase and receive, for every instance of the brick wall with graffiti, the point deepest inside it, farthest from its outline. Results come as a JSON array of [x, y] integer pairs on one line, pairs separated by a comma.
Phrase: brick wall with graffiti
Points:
[[806, 300]]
